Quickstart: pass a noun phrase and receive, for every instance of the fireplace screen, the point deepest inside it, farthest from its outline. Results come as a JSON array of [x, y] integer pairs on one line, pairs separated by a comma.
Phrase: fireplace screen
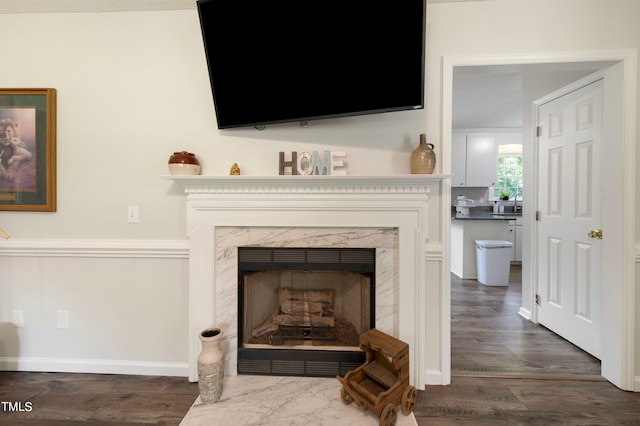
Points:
[[305, 304]]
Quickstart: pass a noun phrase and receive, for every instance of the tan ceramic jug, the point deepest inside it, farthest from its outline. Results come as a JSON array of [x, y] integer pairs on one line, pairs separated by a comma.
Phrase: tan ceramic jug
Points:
[[423, 159]]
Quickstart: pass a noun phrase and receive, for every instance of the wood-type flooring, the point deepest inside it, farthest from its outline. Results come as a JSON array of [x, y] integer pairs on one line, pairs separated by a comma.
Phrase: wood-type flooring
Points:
[[505, 370], [509, 371]]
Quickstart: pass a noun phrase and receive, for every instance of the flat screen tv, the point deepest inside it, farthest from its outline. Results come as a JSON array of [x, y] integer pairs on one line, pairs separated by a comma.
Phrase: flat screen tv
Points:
[[278, 61]]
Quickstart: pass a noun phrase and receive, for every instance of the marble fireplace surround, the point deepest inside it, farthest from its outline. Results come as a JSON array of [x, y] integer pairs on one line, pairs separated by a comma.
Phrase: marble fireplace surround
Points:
[[229, 238], [401, 216]]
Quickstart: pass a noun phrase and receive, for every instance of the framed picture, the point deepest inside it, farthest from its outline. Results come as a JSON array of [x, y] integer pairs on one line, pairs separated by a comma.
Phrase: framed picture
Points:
[[28, 149]]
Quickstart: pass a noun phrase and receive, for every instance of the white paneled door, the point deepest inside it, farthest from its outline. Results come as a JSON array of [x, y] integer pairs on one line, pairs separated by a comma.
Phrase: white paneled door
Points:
[[569, 212]]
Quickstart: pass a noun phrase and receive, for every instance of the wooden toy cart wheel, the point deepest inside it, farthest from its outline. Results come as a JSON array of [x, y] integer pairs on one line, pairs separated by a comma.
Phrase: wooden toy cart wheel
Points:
[[346, 398], [408, 401], [389, 415]]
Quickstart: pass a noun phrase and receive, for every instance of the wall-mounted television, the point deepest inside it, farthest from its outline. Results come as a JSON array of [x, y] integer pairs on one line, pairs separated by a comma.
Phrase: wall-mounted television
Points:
[[279, 61]]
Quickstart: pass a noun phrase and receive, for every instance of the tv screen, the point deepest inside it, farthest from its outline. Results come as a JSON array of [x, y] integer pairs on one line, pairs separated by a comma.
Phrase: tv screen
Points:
[[277, 61]]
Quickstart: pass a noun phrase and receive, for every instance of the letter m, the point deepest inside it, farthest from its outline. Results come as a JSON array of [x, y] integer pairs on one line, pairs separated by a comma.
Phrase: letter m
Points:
[[321, 166]]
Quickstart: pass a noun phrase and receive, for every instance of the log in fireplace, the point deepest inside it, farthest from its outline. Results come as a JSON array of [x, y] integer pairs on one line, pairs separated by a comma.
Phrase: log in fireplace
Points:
[[301, 310]]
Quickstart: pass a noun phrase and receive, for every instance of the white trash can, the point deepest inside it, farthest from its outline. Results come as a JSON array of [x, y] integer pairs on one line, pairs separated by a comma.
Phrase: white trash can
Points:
[[493, 258]]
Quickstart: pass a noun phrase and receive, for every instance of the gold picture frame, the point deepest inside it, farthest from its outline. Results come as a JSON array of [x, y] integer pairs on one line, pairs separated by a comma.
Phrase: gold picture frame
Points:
[[28, 150]]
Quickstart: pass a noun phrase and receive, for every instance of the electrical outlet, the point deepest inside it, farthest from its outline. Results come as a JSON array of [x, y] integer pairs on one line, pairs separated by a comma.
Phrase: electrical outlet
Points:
[[63, 319], [18, 318], [132, 214]]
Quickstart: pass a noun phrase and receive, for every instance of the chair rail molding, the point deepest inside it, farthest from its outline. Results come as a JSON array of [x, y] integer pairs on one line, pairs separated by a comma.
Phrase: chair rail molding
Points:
[[102, 248]]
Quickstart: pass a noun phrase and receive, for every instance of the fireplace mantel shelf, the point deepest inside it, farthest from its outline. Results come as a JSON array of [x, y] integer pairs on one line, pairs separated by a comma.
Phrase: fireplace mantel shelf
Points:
[[201, 183]]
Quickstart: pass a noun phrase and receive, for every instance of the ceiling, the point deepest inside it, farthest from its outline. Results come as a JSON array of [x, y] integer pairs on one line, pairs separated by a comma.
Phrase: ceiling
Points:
[[58, 6], [487, 96], [491, 96]]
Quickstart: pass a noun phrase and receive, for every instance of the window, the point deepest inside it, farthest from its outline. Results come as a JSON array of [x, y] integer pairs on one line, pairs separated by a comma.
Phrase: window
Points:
[[509, 172]]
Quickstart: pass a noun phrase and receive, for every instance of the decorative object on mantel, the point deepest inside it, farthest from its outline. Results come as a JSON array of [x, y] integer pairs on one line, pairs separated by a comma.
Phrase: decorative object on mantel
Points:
[[184, 163], [382, 382], [293, 163], [305, 163], [423, 159], [235, 170], [4, 234], [210, 366]]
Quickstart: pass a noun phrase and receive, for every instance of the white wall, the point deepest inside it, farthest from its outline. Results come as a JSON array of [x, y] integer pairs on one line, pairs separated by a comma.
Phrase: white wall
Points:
[[132, 88]]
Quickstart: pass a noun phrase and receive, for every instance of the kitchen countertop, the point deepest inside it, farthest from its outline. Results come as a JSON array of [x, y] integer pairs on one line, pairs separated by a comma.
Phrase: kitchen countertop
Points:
[[486, 216]]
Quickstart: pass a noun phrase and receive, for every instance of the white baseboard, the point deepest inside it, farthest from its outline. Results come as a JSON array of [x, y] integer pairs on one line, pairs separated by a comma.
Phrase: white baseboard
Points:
[[95, 366], [636, 384], [524, 313], [432, 377]]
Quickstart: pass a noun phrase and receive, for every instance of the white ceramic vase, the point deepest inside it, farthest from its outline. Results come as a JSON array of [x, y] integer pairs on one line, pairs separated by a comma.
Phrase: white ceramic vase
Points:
[[210, 366]]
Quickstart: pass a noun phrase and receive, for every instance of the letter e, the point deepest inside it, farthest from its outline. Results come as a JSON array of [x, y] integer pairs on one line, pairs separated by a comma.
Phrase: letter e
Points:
[[337, 165]]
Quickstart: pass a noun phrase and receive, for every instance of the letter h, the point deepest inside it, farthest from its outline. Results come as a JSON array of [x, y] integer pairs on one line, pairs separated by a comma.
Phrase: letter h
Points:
[[293, 163]]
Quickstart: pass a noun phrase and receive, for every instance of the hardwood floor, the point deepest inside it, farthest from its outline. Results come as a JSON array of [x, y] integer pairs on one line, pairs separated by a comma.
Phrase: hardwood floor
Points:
[[505, 370], [490, 401], [488, 335], [59, 399]]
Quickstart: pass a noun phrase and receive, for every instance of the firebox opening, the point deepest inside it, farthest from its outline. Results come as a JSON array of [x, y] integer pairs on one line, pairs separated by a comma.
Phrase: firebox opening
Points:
[[301, 310]]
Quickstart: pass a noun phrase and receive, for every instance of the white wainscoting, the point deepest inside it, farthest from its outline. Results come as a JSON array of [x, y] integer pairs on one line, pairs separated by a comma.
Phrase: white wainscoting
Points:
[[85, 277]]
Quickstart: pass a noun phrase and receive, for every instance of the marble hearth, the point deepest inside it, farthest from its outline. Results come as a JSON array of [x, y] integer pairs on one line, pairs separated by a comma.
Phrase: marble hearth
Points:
[[270, 400], [400, 216]]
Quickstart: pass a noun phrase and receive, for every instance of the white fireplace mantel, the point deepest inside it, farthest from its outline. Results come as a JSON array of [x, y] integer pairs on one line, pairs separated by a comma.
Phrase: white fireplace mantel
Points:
[[199, 184], [328, 211]]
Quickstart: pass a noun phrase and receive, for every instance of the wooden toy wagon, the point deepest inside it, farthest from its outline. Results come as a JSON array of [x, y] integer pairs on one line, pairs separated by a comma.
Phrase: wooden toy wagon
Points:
[[382, 382]]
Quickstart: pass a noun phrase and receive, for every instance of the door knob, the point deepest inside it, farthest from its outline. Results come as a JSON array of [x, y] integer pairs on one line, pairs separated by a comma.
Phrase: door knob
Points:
[[595, 233]]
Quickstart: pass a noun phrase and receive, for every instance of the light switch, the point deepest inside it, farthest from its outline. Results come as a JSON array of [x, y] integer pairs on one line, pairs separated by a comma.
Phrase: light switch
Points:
[[132, 214]]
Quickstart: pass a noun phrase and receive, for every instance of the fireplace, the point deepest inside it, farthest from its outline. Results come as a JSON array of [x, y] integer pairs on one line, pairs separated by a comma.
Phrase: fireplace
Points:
[[301, 310], [401, 217], [226, 243]]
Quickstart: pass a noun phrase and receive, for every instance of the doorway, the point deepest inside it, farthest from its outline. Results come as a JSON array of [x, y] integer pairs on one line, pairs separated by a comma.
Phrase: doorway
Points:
[[620, 343]]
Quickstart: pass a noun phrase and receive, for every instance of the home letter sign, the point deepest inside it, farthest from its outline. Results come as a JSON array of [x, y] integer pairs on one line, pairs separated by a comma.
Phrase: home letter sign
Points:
[[304, 163]]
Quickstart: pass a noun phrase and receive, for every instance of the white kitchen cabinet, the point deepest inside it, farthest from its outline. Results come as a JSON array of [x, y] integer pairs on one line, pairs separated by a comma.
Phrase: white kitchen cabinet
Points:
[[515, 236], [517, 243], [474, 160], [459, 160], [464, 232], [512, 238]]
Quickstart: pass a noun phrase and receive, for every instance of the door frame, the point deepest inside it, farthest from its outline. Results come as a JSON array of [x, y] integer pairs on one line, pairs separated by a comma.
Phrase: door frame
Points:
[[618, 307]]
